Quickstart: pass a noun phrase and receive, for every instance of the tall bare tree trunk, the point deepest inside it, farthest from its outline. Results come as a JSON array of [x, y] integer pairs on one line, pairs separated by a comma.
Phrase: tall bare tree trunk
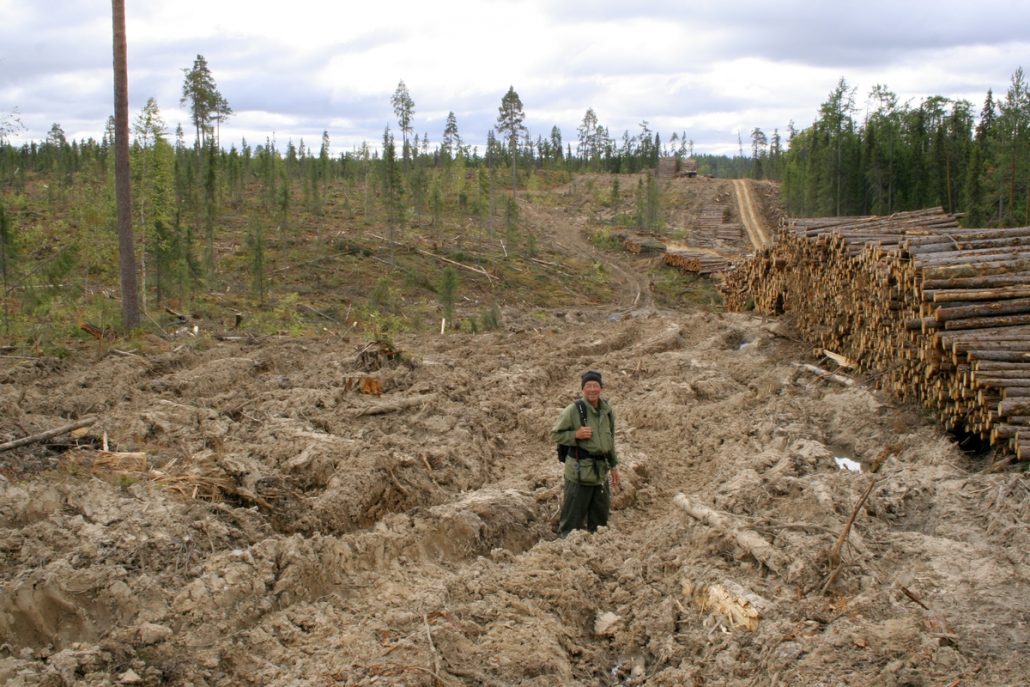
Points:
[[123, 196]]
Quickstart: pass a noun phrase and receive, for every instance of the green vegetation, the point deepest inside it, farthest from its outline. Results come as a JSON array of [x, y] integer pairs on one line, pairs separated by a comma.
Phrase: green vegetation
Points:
[[906, 158], [296, 238], [674, 289], [448, 292]]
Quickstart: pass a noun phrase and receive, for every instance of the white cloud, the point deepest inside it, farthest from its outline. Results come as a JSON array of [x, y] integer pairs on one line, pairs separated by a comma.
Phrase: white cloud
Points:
[[707, 67]]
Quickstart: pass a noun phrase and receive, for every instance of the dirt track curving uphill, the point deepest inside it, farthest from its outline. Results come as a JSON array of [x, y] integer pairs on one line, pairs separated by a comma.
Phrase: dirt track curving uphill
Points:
[[750, 216]]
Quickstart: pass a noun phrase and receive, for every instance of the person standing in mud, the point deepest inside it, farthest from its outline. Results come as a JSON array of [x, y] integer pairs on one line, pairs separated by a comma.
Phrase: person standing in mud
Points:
[[591, 459]]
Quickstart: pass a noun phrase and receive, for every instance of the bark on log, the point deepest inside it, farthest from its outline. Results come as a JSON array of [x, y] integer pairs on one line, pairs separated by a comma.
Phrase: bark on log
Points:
[[1014, 356], [1016, 280], [1012, 306], [1014, 406], [976, 269], [980, 322], [944, 295]]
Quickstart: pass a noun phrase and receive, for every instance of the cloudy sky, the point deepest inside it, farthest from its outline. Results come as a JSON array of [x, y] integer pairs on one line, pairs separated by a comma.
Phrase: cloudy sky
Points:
[[710, 68]]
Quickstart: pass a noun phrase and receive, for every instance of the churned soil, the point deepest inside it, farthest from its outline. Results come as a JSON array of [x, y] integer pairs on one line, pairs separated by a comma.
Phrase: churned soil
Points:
[[326, 511]]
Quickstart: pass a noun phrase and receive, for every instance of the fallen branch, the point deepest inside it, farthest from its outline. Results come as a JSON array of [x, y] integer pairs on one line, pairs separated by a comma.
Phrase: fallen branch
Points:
[[907, 592], [747, 539], [556, 268], [476, 270], [820, 372], [317, 312], [432, 648], [835, 560], [128, 354], [49, 434]]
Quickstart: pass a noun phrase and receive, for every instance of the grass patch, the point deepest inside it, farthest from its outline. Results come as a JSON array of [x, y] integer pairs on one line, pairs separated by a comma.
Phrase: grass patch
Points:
[[605, 239], [675, 289]]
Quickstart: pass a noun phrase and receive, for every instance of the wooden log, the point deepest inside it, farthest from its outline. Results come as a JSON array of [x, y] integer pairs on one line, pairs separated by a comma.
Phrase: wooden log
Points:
[[1004, 430], [987, 256], [938, 246], [1000, 307], [998, 355], [958, 235], [49, 434], [736, 530], [819, 372], [1014, 406], [967, 295], [980, 322], [394, 406], [1018, 280], [975, 269], [998, 376], [962, 345]]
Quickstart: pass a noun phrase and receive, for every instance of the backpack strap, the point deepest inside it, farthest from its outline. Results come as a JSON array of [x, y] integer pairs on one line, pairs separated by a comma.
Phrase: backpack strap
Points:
[[581, 405]]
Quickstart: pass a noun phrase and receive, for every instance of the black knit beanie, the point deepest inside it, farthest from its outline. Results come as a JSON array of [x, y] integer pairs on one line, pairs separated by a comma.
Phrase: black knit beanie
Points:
[[587, 376]]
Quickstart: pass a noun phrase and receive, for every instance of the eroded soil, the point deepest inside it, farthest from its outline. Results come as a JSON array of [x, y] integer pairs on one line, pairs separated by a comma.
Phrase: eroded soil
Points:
[[281, 512]]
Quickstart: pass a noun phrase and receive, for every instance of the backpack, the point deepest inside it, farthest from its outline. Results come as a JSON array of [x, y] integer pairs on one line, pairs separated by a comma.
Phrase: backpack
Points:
[[563, 450]]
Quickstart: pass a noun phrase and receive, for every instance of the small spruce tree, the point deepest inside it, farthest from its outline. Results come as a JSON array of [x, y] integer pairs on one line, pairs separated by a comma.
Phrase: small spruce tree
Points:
[[448, 291]]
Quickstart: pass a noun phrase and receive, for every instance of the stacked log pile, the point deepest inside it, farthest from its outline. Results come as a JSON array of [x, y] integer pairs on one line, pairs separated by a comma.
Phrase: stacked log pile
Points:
[[696, 262], [714, 231], [935, 313], [640, 245]]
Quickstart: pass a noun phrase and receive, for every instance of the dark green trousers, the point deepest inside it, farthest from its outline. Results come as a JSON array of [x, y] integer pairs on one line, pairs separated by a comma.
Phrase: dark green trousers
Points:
[[584, 506]]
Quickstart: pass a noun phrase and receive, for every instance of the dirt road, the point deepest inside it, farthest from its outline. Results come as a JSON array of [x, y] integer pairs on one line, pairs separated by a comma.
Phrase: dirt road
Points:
[[300, 518], [751, 218]]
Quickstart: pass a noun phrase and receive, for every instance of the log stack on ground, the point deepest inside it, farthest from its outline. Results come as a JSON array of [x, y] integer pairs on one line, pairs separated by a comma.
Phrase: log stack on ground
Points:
[[935, 313], [714, 230], [696, 262], [642, 245]]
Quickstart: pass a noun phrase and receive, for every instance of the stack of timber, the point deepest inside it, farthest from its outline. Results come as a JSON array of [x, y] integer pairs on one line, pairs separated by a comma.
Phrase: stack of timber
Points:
[[696, 262], [715, 231], [937, 314], [642, 245]]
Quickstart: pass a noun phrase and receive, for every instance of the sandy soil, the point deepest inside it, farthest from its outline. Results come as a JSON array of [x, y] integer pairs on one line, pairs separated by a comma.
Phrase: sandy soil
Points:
[[302, 516]]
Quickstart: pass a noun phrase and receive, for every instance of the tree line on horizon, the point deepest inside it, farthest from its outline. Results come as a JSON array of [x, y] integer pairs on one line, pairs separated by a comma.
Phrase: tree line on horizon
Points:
[[901, 157], [904, 157]]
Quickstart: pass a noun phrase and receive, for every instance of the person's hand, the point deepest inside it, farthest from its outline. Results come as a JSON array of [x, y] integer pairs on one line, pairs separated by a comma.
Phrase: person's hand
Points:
[[616, 478], [584, 433]]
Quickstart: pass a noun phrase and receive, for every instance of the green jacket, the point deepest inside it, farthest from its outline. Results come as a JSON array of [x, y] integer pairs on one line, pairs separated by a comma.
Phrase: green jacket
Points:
[[602, 421]]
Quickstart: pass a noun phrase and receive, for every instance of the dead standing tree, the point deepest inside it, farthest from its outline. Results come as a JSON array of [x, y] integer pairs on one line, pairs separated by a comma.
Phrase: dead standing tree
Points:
[[123, 196]]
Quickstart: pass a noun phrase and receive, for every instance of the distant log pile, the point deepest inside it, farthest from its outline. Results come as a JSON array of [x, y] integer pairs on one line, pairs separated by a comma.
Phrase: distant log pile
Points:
[[639, 245], [936, 313], [696, 262], [714, 231]]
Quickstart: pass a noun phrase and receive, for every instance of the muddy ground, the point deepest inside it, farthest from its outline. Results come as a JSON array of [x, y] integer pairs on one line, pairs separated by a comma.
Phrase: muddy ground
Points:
[[279, 511]]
